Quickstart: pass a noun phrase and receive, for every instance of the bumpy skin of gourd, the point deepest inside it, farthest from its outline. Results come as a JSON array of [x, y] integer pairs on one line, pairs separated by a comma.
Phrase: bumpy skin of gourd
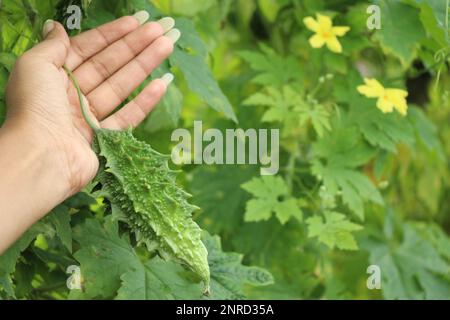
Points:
[[142, 185]]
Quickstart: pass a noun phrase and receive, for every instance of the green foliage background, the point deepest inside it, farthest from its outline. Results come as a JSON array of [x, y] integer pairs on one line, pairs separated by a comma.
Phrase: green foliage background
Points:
[[356, 186]]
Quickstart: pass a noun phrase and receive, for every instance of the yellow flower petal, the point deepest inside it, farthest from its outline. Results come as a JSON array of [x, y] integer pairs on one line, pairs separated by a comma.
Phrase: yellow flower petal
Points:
[[385, 105], [372, 89], [340, 31], [316, 41], [311, 24], [325, 22], [398, 98], [334, 45], [397, 93]]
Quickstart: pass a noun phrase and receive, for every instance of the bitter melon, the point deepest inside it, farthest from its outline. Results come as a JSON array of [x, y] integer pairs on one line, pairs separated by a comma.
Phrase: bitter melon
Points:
[[139, 182]]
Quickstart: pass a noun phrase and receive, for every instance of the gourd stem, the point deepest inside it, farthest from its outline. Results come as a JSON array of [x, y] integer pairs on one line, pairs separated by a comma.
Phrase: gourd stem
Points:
[[84, 110]]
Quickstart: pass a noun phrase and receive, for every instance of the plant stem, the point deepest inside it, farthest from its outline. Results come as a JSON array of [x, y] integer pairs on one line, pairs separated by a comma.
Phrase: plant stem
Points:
[[84, 110]]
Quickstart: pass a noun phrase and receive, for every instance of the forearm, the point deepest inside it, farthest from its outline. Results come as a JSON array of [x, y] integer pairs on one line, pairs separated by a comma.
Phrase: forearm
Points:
[[29, 182]]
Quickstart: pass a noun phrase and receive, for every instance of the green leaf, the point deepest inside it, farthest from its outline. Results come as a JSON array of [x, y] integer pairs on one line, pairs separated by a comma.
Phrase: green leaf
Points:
[[6, 286], [383, 130], [438, 7], [426, 131], [228, 275], [412, 270], [433, 27], [60, 218], [103, 249], [289, 107], [190, 56], [10, 258], [157, 280], [271, 195], [217, 191], [337, 155], [104, 257], [335, 231], [400, 36], [7, 60], [273, 69]]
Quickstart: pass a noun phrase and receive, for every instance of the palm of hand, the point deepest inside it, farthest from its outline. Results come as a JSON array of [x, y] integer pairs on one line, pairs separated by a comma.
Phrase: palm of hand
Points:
[[109, 63]]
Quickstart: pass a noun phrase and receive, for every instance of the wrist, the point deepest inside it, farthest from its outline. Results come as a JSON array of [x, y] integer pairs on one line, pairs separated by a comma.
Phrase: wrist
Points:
[[41, 161]]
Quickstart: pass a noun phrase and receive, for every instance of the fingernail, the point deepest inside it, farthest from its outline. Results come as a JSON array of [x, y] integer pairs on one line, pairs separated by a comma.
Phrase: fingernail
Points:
[[167, 23], [48, 26], [174, 35], [141, 16], [167, 78]]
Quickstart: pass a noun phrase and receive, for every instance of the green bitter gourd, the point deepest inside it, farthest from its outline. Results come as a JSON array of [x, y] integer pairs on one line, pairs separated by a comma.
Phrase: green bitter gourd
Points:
[[139, 182]]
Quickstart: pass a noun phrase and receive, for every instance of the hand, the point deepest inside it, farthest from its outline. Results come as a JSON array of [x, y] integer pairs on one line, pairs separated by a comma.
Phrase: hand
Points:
[[109, 63], [44, 125]]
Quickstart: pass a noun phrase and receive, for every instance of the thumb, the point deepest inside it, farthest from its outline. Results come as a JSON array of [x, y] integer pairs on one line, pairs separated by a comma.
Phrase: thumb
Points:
[[55, 46]]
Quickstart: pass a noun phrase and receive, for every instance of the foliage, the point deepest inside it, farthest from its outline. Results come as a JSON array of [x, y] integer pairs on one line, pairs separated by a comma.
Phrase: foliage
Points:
[[356, 187]]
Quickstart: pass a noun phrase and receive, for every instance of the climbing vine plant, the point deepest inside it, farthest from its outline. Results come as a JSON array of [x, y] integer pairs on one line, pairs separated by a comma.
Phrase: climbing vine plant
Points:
[[363, 112]]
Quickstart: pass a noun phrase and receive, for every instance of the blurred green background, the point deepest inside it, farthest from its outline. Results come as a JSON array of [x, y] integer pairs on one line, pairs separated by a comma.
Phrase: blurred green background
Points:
[[364, 188]]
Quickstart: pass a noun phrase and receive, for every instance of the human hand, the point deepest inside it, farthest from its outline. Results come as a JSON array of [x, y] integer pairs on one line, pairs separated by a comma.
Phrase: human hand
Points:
[[45, 141], [110, 62]]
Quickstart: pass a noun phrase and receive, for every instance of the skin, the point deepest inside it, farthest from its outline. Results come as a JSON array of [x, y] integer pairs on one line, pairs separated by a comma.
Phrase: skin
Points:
[[45, 143]]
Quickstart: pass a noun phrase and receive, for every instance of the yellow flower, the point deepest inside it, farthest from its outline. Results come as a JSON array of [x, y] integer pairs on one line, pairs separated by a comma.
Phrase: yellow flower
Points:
[[325, 33], [388, 99]]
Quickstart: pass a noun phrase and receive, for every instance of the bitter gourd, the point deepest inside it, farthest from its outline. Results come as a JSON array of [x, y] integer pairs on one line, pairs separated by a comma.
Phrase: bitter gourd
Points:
[[139, 182]]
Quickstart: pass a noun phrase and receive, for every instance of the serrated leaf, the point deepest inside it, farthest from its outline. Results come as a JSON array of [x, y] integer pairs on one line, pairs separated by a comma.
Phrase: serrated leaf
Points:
[[383, 130], [102, 249], [337, 156], [271, 195], [60, 218], [228, 275], [412, 270], [157, 280], [273, 69], [127, 276], [334, 231], [400, 36], [290, 108], [10, 258]]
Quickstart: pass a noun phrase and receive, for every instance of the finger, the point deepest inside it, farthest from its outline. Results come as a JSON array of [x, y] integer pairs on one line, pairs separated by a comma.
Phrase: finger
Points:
[[134, 112], [111, 93], [87, 44], [55, 46], [104, 64]]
